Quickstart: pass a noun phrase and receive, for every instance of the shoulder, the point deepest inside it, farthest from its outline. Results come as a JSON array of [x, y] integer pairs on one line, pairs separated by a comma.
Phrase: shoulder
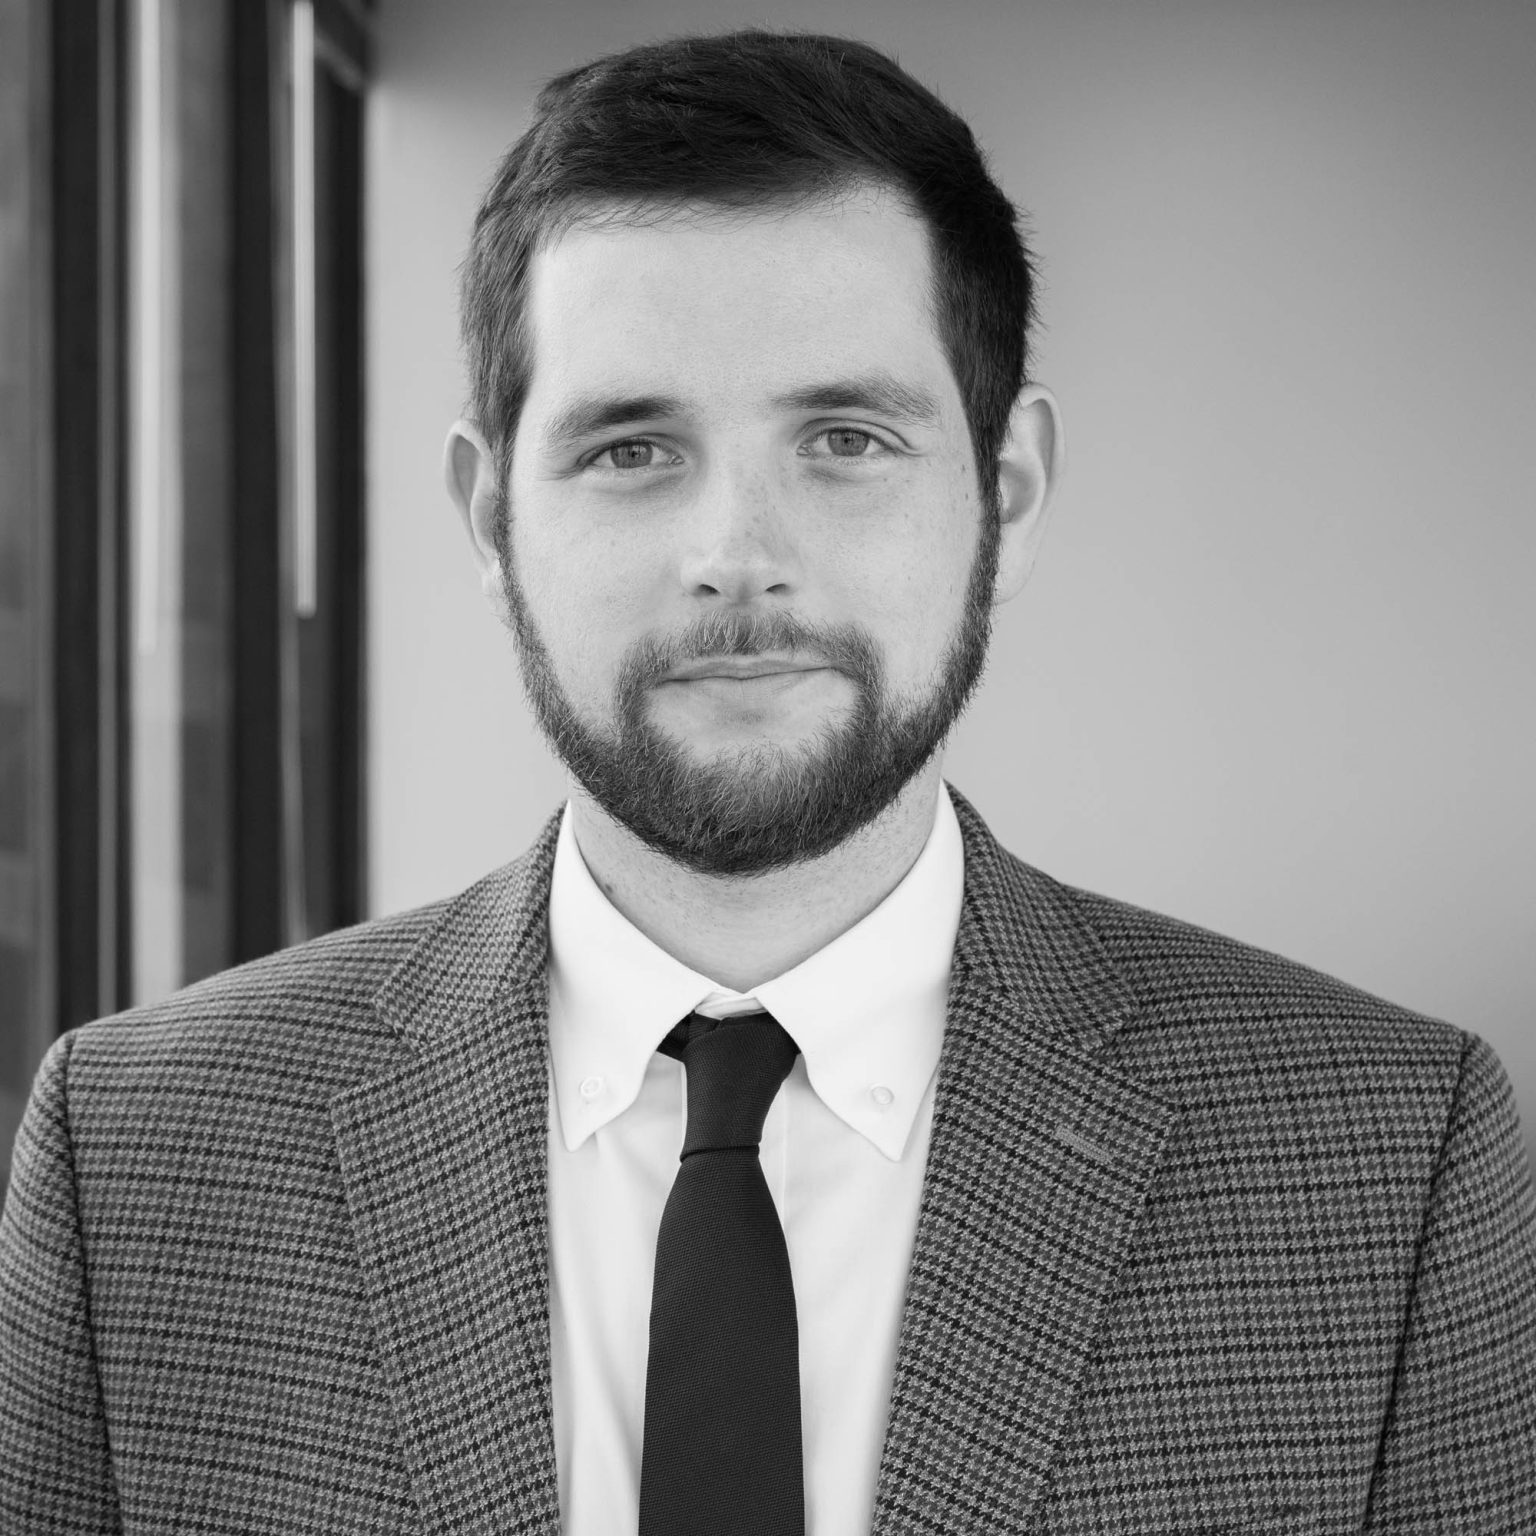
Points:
[[220, 1096], [296, 1024], [1222, 1023], [1178, 970], [282, 1035], [1189, 1008]]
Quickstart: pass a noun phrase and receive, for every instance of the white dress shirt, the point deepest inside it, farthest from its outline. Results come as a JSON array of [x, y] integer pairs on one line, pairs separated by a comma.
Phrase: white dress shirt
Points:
[[844, 1150]]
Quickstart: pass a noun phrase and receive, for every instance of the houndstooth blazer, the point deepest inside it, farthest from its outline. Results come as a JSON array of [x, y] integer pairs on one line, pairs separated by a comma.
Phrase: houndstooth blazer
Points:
[[1208, 1243]]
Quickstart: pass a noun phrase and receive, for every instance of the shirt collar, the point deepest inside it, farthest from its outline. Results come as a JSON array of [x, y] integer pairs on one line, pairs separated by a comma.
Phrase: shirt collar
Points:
[[866, 1010]]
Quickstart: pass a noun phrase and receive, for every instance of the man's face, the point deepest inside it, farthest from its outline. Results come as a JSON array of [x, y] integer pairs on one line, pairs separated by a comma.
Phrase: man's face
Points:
[[748, 573]]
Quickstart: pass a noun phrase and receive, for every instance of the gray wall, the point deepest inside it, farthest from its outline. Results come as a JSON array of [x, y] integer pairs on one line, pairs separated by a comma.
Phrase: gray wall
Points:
[[1274, 673]]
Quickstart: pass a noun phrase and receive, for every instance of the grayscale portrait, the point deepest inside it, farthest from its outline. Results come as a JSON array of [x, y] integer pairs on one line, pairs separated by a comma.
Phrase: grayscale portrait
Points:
[[773, 775]]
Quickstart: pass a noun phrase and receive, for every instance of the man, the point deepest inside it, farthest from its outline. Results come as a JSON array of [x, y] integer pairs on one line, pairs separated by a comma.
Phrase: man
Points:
[[1000, 1206]]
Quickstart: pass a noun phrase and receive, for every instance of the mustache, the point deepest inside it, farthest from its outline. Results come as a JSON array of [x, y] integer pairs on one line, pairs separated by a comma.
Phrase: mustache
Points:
[[844, 647]]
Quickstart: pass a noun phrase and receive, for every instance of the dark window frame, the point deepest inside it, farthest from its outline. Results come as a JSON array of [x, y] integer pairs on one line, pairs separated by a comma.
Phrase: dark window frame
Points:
[[66, 517]]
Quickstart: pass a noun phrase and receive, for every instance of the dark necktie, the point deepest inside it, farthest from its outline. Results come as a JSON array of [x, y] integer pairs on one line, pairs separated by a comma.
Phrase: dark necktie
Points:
[[722, 1387]]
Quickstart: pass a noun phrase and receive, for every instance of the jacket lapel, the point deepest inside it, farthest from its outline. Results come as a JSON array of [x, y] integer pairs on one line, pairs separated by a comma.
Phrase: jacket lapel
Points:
[[444, 1162], [1041, 1160], [1039, 1168]]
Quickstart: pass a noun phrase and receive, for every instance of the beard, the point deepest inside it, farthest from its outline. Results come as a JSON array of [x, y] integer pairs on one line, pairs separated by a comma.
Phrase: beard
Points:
[[761, 807]]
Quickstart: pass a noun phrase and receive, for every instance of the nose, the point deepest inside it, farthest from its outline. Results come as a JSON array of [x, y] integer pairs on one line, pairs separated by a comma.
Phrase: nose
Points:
[[740, 546]]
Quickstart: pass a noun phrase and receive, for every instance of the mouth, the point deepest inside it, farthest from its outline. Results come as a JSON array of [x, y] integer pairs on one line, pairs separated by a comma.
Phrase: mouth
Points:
[[740, 668]]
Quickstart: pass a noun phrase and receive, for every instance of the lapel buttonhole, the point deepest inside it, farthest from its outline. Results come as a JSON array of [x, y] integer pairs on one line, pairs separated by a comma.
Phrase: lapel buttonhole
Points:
[[1089, 1149]]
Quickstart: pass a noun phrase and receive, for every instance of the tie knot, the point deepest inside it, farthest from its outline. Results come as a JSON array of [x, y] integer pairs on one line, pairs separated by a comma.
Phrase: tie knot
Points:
[[735, 1067]]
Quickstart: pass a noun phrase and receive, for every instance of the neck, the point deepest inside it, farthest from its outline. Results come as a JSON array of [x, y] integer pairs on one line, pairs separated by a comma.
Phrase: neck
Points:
[[743, 930]]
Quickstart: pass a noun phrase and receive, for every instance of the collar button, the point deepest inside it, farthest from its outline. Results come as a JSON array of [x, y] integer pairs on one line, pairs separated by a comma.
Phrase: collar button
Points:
[[882, 1096]]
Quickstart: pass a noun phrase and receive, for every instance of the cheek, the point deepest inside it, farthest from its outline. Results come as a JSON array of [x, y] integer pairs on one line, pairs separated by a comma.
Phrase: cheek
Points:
[[921, 573], [589, 600]]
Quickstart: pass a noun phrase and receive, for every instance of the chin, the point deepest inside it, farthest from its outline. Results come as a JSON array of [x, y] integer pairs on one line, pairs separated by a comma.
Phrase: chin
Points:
[[748, 733]]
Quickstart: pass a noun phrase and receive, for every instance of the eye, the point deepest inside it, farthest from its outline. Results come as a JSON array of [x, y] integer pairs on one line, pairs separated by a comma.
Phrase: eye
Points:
[[852, 445], [636, 453], [848, 442]]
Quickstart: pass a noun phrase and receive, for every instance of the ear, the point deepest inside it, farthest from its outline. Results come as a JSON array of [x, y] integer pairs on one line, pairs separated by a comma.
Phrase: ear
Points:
[[469, 468], [1029, 467]]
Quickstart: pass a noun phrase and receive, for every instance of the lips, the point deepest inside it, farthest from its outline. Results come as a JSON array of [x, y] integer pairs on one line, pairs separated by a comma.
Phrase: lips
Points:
[[739, 668]]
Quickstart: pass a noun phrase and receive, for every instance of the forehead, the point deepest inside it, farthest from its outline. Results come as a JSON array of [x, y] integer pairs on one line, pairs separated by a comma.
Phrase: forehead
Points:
[[723, 301]]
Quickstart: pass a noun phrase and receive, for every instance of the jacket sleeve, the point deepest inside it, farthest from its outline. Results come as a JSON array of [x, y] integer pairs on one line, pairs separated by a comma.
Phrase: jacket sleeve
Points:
[[55, 1470], [1458, 1451]]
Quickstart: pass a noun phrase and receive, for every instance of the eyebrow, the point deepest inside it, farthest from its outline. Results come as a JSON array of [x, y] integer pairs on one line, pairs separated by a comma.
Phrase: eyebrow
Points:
[[880, 393], [590, 415]]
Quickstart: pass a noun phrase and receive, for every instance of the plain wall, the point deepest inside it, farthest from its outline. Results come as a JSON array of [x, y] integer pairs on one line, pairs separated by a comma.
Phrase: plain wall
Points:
[[1274, 671]]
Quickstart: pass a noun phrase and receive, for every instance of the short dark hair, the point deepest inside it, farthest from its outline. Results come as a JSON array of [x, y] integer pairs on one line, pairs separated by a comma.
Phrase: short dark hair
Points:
[[736, 121]]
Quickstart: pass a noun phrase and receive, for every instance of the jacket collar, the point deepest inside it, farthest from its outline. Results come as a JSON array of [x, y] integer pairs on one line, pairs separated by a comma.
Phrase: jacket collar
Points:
[[443, 1159], [489, 942], [1042, 1156], [1021, 933]]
